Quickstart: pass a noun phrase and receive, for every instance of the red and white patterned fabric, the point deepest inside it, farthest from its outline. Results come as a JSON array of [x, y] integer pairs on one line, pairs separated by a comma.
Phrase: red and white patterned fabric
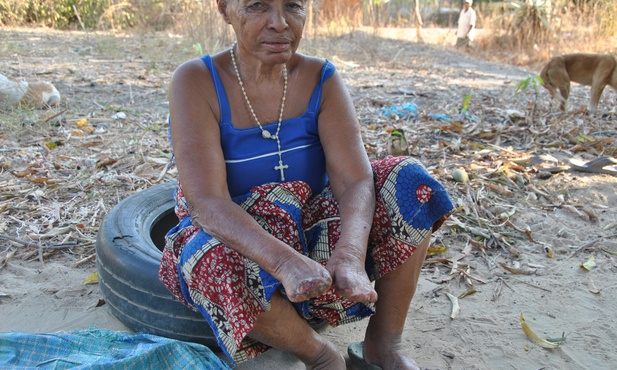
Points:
[[231, 290]]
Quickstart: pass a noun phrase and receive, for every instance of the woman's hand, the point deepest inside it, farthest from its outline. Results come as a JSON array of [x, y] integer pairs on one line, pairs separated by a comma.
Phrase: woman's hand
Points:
[[302, 277], [349, 276]]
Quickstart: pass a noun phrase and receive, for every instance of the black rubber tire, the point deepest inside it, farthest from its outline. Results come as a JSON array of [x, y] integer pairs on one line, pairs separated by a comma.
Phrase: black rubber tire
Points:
[[128, 253]]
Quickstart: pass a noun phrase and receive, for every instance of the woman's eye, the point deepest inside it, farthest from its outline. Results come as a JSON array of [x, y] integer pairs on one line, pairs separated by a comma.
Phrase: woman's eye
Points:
[[295, 5], [256, 5]]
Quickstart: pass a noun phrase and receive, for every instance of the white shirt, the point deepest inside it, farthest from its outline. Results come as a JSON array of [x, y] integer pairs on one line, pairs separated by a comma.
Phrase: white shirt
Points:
[[465, 20]]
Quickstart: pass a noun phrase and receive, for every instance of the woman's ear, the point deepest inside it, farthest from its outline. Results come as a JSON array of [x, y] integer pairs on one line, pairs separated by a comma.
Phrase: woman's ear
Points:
[[222, 6]]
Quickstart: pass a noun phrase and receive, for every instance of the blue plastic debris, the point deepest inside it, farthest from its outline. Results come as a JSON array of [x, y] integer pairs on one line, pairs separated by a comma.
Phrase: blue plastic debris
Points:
[[439, 117], [405, 110]]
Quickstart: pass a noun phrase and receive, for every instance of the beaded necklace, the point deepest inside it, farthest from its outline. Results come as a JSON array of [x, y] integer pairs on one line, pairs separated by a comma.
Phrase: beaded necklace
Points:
[[264, 133]]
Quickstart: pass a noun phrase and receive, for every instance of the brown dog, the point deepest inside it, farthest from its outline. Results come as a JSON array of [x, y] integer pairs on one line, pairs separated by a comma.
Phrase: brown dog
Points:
[[595, 70]]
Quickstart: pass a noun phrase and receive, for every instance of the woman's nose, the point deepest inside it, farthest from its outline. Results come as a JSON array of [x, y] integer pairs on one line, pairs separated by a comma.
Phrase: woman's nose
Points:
[[278, 21]]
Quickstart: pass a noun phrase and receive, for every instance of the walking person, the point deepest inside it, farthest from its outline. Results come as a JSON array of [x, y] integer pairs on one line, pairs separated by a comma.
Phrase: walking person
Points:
[[466, 26]]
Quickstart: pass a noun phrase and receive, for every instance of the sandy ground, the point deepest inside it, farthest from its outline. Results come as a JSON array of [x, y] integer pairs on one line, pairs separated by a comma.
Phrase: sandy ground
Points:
[[556, 295], [555, 299]]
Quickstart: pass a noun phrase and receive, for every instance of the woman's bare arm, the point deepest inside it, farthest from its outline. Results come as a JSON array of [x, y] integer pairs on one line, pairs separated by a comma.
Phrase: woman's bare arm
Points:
[[351, 178], [202, 173]]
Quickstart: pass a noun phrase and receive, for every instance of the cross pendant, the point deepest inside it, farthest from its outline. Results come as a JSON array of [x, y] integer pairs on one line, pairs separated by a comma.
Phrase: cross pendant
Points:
[[281, 167]]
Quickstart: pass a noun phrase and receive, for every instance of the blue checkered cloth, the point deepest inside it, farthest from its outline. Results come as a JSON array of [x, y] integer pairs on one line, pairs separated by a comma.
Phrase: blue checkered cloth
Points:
[[102, 349]]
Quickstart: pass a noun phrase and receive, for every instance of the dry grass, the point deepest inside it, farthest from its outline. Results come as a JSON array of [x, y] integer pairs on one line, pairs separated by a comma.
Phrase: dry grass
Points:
[[585, 31]]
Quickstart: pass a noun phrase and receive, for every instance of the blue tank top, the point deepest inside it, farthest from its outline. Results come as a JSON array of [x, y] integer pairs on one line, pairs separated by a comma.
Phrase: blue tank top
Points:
[[250, 159]]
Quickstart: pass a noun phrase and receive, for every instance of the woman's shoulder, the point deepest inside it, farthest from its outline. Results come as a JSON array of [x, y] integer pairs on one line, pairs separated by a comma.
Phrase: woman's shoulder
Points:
[[310, 59], [312, 64], [193, 68], [193, 79]]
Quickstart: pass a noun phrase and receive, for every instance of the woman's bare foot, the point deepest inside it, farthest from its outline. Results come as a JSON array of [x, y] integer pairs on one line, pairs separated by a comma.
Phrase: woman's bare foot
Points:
[[389, 355], [329, 358], [302, 277], [350, 277]]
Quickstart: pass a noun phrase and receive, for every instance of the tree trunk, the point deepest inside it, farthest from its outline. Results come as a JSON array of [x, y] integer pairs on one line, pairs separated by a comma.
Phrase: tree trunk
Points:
[[419, 22]]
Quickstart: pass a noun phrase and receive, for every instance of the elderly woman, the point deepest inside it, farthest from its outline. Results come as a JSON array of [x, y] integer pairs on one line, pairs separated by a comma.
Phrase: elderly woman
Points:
[[283, 219]]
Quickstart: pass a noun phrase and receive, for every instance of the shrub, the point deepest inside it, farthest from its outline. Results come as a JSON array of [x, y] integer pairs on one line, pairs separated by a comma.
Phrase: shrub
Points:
[[61, 14], [530, 21]]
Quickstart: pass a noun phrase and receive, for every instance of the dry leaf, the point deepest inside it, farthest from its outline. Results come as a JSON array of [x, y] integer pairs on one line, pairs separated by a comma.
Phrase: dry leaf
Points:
[[436, 250], [610, 226], [469, 292], [592, 287], [88, 129], [105, 161], [590, 264], [4, 260], [456, 310], [81, 123], [517, 271], [535, 338], [92, 279]]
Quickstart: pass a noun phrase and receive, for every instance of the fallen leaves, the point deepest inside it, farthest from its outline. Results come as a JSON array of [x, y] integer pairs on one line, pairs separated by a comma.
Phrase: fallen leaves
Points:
[[60, 176], [92, 279], [590, 264], [517, 271], [592, 287], [534, 338], [105, 161], [456, 309], [6, 258]]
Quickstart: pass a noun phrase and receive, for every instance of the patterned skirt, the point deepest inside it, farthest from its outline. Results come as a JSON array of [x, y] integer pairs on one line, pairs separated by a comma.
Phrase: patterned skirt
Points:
[[230, 290]]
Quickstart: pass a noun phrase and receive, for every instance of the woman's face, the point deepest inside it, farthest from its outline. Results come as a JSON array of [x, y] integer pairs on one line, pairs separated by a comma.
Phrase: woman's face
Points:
[[270, 29]]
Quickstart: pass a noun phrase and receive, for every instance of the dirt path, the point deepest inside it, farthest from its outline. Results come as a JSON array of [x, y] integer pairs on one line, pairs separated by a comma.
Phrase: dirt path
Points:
[[515, 245]]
